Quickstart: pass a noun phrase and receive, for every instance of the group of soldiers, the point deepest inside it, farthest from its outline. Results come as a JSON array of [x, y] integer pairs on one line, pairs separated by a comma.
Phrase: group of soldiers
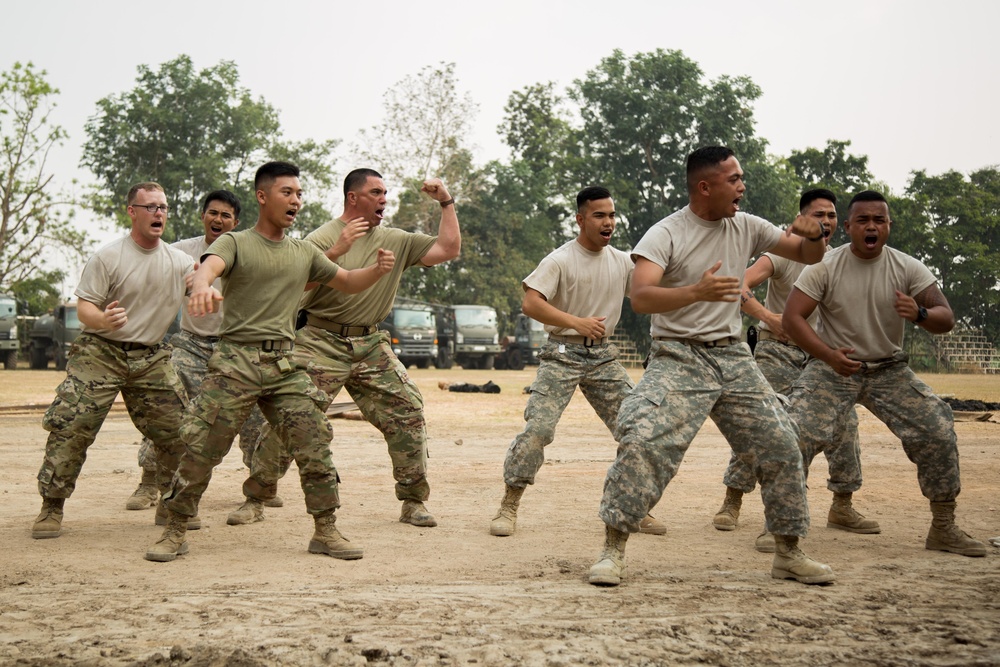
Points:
[[831, 337]]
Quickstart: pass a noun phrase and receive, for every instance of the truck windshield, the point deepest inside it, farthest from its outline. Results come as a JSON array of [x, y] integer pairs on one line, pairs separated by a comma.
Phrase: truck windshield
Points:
[[7, 307], [475, 317], [72, 322], [536, 325], [414, 318]]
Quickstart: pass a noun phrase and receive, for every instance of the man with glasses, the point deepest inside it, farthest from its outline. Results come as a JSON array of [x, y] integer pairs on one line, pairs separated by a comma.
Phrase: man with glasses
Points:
[[129, 293], [781, 361]]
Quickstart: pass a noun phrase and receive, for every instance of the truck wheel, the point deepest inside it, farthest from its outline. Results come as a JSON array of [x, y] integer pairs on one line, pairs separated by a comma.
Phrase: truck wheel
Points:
[[444, 360], [60, 361], [38, 358], [516, 361], [422, 363], [486, 363], [500, 363], [10, 363]]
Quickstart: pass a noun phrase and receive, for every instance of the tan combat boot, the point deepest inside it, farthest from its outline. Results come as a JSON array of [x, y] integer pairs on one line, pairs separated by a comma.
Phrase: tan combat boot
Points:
[[162, 517], [328, 540], [728, 516], [506, 518], [843, 516], [251, 511], [49, 522], [610, 569], [650, 525], [172, 543], [791, 563], [764, 543], [274, 502], [415, 514], [146, 494], [944, 535]]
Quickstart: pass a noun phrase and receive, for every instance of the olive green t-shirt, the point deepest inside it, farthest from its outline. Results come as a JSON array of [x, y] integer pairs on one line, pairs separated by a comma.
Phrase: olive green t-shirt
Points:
[[372, 305], [262, 281]]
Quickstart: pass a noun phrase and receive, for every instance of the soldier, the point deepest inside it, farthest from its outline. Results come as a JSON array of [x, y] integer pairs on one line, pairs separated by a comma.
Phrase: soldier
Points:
[[781, 361], [688, 271], [577, 293], [250, 364], [864, 291], [128, 295], [341, 345]]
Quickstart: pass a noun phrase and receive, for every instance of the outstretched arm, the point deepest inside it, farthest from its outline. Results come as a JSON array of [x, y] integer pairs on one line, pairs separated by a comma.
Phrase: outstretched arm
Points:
[[204, 298], [802, 242], [358, 280], [449, 240]]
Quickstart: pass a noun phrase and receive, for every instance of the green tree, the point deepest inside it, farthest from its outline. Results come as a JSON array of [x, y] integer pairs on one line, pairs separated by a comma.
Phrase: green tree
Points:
[[34, 219], [835, 169], [193, 132], [39, 293]]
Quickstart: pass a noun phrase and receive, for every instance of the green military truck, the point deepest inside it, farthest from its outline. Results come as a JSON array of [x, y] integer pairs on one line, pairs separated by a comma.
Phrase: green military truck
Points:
[[9, 344], [476, 340], [412, 328], [52, 336], [523, 346]]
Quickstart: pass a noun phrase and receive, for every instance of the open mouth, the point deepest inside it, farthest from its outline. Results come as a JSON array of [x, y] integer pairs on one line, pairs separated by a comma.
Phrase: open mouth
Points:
[[216, 229], [380, 213], [157, 225], [606, 233], [871, 240], [291, 213], [736, 203]]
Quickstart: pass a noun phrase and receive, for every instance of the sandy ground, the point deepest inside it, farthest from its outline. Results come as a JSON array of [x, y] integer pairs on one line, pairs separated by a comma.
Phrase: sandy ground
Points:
[[454, 595]]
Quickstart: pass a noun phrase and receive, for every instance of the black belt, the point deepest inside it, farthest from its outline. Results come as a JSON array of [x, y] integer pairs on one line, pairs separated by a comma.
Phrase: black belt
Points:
[[346, 330], [720, 342], [126, 346], [578, 340], [277, 345]]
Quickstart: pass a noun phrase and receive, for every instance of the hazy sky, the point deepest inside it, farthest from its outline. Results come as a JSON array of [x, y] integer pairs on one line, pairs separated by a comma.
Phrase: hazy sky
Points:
[[912, 84]]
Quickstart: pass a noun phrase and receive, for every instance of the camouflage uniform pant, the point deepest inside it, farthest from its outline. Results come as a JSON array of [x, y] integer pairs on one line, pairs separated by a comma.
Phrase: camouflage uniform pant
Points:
[[683, 385], [922, 421], [781, 365], [600, 377], [384, 393], [240, 376], [189, 357], [96, 372]]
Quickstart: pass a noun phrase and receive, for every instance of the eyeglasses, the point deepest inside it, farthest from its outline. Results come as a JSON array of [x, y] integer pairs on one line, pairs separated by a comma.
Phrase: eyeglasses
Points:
[[152, 208]]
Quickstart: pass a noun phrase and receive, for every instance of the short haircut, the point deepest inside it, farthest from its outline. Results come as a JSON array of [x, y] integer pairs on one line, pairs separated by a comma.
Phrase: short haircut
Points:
[[866, 195], [271, 171], [226, 197], [149, 186], [358, 178], [703, 159], [593, 193], [809, 196]]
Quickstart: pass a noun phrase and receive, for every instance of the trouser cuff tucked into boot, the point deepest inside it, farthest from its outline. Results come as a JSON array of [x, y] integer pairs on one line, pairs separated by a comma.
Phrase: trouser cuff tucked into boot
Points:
[[791, 563]]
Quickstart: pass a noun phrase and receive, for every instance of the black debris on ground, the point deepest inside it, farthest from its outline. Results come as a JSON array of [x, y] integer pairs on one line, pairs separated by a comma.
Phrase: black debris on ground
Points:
[[959, 405]]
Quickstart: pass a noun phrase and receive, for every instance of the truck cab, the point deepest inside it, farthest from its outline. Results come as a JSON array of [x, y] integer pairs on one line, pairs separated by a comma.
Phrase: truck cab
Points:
[[9, 344], [477, 340], [412, 332]]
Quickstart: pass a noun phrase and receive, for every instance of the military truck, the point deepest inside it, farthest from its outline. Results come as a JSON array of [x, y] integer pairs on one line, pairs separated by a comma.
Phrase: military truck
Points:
[[412, 328], [9, 344], [523, 346], [52, 335], [477, 340]]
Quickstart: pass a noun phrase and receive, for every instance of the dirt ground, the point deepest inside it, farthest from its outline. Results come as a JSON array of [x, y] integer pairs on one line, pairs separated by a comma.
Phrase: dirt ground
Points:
[[454, 595]]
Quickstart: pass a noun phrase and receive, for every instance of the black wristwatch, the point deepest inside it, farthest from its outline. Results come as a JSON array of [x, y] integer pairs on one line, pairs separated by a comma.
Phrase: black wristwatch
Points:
[[921, 315]]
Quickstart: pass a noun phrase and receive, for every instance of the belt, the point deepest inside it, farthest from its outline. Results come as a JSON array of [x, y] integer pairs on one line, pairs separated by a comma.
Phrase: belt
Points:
[[345, 330], [721, 342], [764, 334], [277, 345], [578, 340], [211, 340], [127, 346], [876, 364]]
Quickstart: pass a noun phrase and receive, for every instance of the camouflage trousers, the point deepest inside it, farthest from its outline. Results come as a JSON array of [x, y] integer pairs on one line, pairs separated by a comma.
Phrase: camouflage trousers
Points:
[[921, 420], [683, 384], [382, 390], [97, 370], [240, 376], [781, 365], [189, 357], [600, 377]]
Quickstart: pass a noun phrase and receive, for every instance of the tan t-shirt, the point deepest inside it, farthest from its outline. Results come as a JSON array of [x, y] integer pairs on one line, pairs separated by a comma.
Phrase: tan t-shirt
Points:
[[372, 305], [262, 282], [148, 284], [685, 246], [857, 296], [779, 286], [210, 324], [583, 283]]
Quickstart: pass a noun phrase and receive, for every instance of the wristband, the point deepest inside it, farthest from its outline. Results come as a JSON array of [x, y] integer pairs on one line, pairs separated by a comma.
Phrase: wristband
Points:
[[448, 203], [818, 238]]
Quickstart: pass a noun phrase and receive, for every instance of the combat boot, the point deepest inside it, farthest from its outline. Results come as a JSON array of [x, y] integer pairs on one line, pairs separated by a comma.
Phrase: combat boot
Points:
[[172, 543], [652, 526], [328, 540], [944, 535], [251, 511], [415, 514], [610, 569], [49, 522], [843, 516], [790, 563], [506, 518], [764, 543], [146, 494], [728, 516], [274, 502], [193, 522]]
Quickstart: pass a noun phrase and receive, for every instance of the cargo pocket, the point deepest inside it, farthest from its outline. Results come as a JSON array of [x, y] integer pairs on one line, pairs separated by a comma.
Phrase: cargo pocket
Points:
[[198, 419], [66, 408]]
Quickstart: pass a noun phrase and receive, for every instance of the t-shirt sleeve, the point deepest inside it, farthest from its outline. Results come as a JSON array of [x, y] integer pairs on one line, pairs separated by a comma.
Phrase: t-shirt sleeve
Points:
[[812, 281], [225, 248], [95, 282], [545, 278], [919, 277], [321, 269], [656, 245], [766, 234], [419, 245]]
